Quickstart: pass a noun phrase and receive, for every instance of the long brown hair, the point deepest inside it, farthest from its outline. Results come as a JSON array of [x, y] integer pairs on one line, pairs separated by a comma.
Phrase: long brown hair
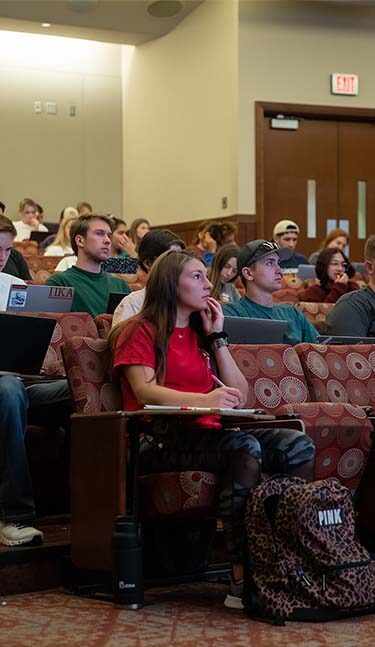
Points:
[[223, 255], [333, 234], [160, 308]]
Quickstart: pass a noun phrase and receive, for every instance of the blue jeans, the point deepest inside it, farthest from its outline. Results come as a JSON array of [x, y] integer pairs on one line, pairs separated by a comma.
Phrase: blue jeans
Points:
[[46, 402]]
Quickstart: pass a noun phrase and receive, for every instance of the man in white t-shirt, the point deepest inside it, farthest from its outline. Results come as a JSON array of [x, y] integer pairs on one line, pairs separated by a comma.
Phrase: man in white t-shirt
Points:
[[29, 220], [7, 234], [152, 245]]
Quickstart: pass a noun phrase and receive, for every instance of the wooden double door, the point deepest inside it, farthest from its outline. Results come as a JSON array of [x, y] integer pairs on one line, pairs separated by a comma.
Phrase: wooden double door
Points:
[[321, 175]]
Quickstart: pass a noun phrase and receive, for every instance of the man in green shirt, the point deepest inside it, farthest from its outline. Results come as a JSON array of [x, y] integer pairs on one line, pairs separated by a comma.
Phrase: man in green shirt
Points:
[[90, 238], [258, 265]]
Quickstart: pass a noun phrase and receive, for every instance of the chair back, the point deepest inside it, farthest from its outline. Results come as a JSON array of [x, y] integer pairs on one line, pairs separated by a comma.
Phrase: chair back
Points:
[[316, 313], [88, 368], [68, 324], [341, 374], [103, 323], [274, 375]]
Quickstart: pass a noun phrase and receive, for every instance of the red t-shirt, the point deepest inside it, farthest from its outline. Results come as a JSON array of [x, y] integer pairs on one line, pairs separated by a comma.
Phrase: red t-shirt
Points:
[[188, 368]]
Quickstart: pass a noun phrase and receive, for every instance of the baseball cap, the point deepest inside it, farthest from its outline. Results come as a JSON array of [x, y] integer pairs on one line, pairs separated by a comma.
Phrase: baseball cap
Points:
[[256, 249], [285, 226]]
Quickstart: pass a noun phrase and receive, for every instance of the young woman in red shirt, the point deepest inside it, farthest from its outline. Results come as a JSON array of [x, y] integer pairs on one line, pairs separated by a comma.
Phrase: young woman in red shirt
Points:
[[165, 356]]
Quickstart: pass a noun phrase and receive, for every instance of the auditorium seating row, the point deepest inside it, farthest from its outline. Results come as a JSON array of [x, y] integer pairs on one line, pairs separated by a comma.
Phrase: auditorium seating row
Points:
[[320, 389], [81, 324], [327, 387]]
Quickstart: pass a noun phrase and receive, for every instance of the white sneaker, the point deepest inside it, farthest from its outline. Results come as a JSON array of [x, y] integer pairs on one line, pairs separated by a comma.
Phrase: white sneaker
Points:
[[233, 599], [17, 534]]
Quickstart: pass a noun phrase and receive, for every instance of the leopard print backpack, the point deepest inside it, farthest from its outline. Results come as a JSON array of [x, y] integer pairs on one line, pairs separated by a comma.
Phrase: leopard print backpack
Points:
[[304, 562]]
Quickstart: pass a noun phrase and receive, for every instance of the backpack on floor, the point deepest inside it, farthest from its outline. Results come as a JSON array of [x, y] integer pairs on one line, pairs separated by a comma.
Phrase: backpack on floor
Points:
[[304, 560]]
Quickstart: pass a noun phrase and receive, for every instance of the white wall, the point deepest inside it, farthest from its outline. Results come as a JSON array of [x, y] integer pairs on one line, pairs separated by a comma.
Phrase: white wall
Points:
[[287, 51], [59, 159], [180, 119]]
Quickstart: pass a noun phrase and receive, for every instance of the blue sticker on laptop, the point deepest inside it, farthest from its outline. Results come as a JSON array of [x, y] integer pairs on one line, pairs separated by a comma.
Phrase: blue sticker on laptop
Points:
[[18, 298]]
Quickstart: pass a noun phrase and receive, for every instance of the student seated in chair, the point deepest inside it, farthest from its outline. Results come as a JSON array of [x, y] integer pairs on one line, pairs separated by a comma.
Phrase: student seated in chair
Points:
[[258, 265], [29, 220], [354, 313], [285, 234], [164, 356], [90, 238], [44, 403], [152, 245]]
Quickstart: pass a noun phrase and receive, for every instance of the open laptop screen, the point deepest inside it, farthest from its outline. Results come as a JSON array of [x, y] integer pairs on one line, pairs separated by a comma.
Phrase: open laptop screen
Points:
[[244, 330], [25, 341]]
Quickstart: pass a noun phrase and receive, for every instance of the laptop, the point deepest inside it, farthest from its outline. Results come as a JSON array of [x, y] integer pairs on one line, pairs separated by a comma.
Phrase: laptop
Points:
[[39, 236], [113, 300], [360, 267], [244, 330], [306, 272], [39, 298], [25, 342], [337, 339]]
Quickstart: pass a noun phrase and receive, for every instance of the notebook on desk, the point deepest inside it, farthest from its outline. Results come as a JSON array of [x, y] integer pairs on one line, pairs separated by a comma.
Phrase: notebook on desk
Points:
[[244, 330], [39, 298], [25, 341]]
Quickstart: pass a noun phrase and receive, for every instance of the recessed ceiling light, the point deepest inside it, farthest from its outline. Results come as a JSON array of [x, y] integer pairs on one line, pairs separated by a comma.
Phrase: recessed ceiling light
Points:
[[165, 8], [46, 24]]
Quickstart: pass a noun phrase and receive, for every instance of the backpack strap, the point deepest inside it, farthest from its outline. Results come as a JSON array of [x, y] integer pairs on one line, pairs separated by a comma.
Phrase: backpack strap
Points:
[[258, 518]]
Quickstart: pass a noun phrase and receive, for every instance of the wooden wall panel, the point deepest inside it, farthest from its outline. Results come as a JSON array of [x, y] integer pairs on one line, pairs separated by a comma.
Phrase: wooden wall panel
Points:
[[245, 222]]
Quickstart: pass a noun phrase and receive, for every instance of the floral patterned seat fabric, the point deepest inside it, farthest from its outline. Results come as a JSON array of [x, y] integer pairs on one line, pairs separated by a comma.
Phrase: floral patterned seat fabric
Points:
[[68, 325], [277, 383]]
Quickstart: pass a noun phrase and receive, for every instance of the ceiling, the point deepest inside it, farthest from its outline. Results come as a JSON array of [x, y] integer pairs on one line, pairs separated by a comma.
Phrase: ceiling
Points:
[[130, 22]]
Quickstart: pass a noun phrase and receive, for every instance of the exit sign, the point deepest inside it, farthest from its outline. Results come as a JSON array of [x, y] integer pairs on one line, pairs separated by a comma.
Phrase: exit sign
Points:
[[345, 84]]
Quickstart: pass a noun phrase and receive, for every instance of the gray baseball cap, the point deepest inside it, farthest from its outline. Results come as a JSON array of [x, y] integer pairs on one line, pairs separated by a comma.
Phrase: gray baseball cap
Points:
[[256, 249]]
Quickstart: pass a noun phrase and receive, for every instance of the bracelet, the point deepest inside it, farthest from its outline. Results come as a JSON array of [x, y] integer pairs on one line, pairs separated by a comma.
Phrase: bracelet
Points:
[[218, 339], [218, 343], [217, 335]]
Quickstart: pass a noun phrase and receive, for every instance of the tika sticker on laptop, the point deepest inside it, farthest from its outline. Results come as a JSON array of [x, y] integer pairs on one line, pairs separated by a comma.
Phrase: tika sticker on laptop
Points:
[[17, 298]]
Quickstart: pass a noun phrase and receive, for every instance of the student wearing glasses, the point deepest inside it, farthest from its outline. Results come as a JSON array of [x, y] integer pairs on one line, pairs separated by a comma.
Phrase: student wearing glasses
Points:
[[334, 272]]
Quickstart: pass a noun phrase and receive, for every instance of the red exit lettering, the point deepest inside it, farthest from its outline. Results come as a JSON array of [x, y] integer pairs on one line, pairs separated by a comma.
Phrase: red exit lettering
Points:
[[344, 84]]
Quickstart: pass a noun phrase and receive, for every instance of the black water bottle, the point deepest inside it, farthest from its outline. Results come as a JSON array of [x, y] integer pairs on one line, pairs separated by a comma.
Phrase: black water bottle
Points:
[[127, 563]]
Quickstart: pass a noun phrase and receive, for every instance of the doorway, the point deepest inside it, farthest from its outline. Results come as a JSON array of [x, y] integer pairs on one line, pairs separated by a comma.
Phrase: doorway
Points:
[[319, 171]]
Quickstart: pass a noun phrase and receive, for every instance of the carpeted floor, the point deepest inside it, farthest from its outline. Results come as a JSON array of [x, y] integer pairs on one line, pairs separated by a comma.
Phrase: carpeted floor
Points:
[[186, 616]]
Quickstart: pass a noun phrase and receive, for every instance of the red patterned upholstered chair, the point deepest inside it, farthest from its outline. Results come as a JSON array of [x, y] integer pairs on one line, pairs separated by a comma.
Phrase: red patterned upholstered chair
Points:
[[277, 383], [41, 267], [68, 324], [339, 373], [291, 281], [98, 470], [103, 323], [286, 295], [27, 248], [316, 313]]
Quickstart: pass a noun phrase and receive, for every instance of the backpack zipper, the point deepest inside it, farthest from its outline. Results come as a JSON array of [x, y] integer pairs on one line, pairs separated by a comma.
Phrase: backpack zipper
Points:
[[302, 575], [341, 567]]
